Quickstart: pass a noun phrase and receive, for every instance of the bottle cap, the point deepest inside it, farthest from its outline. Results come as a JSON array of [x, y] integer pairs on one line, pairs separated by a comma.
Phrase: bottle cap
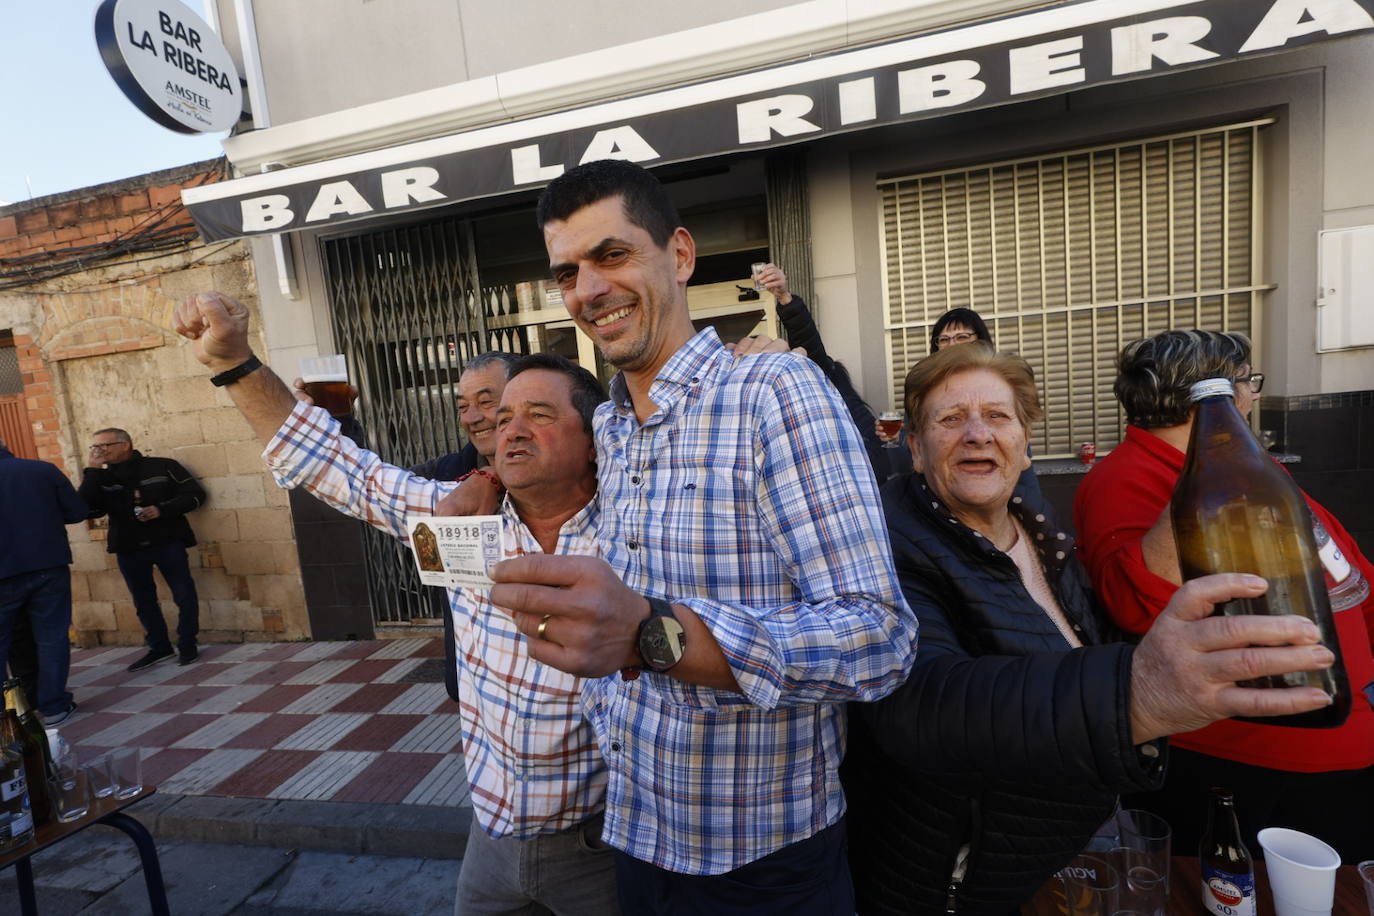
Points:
[[1211, 387]]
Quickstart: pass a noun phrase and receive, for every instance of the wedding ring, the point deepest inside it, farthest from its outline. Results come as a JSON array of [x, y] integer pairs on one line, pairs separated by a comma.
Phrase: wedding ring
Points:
[[543, 625]]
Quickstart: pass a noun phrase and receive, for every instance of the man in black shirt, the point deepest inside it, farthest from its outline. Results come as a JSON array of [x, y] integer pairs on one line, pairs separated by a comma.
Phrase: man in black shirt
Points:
[[147, 500]]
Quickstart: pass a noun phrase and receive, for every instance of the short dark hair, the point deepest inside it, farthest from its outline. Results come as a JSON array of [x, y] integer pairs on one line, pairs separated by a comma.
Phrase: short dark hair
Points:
[[492, 358], [119, 434], [645, 201], [928, 373], [1153, 374], [586, 392], [967, 317]]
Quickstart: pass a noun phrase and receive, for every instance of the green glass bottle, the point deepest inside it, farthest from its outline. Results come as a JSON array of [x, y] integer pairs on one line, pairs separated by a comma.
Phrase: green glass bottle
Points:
[[34, 747]]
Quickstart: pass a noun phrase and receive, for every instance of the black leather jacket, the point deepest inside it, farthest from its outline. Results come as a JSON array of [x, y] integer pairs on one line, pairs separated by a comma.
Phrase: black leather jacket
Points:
[[159, 482], [1003, 739]]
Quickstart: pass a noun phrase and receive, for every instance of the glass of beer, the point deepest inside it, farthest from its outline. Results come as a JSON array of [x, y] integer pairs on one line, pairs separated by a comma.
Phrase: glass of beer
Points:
[[326, 381], [890, 422]]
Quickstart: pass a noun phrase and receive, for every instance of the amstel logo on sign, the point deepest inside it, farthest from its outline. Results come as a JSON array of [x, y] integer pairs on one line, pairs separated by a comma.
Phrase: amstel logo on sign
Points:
[[170, 64]]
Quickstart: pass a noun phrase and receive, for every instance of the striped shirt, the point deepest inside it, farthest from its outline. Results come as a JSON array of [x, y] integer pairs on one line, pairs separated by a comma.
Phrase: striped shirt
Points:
[[531, 757], [747, 497]]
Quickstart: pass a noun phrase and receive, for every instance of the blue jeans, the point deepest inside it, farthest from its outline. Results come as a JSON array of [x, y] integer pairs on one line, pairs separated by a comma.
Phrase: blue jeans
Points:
[[170, 559], [45, 597]]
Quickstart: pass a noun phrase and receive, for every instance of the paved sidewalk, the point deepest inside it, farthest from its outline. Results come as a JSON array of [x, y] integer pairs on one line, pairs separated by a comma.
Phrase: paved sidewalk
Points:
[[293, 778], [328, 721]]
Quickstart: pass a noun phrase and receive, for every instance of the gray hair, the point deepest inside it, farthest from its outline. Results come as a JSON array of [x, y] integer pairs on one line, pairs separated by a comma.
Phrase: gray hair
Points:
[[119, 434], [1155, 373], [492, 358]]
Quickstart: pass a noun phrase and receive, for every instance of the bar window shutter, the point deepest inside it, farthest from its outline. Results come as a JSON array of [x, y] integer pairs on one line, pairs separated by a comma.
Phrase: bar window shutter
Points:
[[1068, 257]]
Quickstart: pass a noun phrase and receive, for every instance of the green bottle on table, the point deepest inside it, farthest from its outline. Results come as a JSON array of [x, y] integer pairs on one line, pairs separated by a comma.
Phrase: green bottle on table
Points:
[[33, 745]]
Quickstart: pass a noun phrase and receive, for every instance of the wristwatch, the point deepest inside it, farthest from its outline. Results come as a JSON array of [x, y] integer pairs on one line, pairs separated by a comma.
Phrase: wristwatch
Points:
[[661, 638]]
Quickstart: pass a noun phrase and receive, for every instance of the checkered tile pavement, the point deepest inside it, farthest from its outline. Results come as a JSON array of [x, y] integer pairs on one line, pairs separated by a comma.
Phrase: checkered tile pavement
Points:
[[318, 721]]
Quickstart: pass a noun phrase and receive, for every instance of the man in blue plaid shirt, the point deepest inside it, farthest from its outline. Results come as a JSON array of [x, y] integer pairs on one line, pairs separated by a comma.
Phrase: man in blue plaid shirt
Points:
[[747, 591]]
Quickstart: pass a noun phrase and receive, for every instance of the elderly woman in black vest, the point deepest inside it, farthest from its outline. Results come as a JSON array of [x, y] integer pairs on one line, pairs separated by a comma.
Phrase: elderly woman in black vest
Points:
[[1022, 720]]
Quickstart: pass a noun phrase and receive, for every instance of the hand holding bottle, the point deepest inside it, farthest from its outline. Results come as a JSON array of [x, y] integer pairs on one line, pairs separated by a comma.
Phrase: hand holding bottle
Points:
[[1184, 672]]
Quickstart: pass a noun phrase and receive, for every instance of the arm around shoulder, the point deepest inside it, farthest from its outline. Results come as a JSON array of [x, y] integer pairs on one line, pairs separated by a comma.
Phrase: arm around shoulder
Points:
[[848, 635]]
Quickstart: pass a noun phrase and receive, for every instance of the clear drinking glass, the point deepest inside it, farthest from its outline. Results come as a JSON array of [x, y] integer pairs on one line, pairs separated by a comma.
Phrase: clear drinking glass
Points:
[[126, 771], [1366, 870], [98, 776], [1143, 858], [754, 270], [71, 795], [1091, 886]]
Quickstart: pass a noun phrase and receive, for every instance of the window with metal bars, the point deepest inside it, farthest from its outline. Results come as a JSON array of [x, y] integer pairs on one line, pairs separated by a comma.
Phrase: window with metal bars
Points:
[[408, 310], [1068, 257]]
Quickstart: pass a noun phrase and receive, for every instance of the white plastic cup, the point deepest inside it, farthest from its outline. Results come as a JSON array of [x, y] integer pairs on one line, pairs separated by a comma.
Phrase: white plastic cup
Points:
[[1302, 872]]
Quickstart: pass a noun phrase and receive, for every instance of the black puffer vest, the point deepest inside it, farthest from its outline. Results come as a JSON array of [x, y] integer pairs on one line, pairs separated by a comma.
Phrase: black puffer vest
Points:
[[1004, 741]]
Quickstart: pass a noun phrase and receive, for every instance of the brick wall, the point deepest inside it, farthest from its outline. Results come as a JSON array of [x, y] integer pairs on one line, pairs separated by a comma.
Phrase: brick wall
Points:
[[102, 271]]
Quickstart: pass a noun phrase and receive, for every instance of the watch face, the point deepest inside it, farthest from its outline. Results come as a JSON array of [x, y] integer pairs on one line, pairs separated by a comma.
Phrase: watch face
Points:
[[661, 643]]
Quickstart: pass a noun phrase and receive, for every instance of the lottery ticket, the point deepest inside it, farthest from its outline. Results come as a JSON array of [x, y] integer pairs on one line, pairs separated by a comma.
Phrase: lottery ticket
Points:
[[456, 551]]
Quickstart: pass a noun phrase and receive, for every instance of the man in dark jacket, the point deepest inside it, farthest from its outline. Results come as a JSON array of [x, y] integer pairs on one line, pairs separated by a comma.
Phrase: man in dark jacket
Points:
[[479, 393], [147, 500], [36, 502]]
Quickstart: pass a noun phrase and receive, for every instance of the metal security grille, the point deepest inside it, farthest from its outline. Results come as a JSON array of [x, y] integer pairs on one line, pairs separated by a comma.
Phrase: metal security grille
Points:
[[408, 311], [11, 380], [1068, 257]]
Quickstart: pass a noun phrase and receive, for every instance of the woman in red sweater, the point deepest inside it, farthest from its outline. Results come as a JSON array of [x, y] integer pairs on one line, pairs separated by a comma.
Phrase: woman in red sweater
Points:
[[1320, 781]]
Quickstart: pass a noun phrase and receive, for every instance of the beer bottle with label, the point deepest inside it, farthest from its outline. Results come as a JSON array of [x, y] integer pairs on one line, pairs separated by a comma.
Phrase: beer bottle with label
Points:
[[1236, 510], [37, 763], [1228, 872], [16, 818]]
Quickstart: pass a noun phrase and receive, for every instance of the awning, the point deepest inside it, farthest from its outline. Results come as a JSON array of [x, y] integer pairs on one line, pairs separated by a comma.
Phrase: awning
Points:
[[1022, 56]]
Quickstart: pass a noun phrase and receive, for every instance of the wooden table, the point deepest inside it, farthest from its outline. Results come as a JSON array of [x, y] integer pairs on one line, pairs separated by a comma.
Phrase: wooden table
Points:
[[1185, 892], [110, 812]]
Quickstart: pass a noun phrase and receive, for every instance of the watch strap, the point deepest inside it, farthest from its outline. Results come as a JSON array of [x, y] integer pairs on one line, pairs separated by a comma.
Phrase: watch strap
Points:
[[229, 376]]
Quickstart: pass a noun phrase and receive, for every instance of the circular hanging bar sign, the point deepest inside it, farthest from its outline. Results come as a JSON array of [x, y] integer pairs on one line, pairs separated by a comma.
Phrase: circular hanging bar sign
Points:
[[170, 64]]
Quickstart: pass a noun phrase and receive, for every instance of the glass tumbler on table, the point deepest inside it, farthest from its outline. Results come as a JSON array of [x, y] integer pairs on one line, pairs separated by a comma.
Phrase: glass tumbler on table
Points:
[[1091, 886], [71, 795], [126, 771]]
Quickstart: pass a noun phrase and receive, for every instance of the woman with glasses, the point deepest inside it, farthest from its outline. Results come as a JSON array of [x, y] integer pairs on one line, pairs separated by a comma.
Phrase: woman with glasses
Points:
[[957, 326], [1313, 780]]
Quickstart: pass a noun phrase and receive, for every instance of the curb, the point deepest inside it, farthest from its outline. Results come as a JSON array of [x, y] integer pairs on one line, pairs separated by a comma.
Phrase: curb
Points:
[[415, 831]]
